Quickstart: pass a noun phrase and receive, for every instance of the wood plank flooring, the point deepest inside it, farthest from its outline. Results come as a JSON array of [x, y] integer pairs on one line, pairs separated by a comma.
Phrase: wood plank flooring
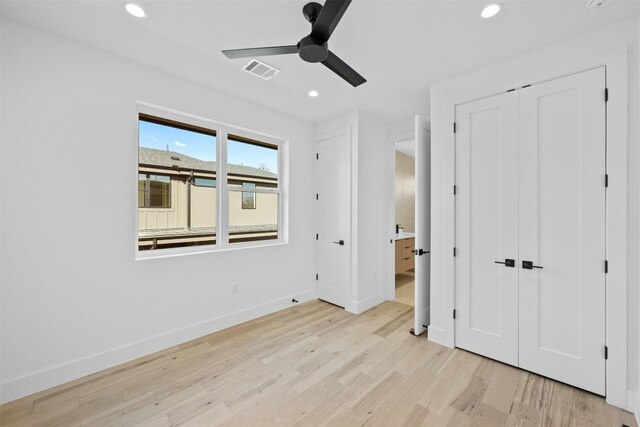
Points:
[[405, 288], [314, 365]]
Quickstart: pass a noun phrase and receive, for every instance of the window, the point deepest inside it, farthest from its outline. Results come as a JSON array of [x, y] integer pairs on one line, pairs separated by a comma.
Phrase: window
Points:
[[204, 182], [154, 191], [248, 198], [180, 192], [252, 164], [176, 184]]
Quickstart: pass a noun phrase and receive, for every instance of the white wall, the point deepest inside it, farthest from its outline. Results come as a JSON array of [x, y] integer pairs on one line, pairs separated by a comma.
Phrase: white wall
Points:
[[372, 218], [74, 301], [369, 196], [492, 80]]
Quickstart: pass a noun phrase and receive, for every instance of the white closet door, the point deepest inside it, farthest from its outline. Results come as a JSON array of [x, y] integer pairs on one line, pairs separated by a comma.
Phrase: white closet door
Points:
[[486, 227], [562, 229], [334, 218]]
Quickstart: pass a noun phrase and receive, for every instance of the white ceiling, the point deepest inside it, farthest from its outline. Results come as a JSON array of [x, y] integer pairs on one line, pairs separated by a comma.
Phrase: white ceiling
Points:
[[400, 47]]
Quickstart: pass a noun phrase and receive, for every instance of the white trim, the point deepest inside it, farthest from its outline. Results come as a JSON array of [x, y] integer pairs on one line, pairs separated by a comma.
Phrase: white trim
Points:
[[444, 99], [60, 374], [391, 219], [354, 144], [408, 135], [222, 188], [222, 232]]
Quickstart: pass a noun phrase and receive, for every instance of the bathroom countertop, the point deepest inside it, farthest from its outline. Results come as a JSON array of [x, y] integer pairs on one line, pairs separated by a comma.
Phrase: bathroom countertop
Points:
[[403, 235]]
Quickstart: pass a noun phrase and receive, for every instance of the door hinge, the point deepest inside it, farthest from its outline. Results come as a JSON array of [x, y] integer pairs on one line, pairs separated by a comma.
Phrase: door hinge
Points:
[[454, 313], [606, 94], [510, 90], [606, 266], [317, 156], [455, 189], [606, 180], [316, 196], [454, 127], [454, 251], [606, 352], [316, 276], [316, 236], [526, 86]]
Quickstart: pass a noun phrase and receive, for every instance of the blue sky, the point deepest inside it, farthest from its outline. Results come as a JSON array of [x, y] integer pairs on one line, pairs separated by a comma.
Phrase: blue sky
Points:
[[203, 147]]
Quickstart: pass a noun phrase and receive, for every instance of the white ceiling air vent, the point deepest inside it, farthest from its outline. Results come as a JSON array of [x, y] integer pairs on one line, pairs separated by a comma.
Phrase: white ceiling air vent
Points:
[[260, 69], [596, 4]]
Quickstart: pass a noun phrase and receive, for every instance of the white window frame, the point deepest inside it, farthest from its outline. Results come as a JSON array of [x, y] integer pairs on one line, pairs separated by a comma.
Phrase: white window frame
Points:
[[222, 131]]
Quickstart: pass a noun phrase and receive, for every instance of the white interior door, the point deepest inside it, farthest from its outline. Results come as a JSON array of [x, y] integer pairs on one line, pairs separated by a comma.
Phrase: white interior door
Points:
[[562, 229], [486, 309], [423, 224], [334, 218]]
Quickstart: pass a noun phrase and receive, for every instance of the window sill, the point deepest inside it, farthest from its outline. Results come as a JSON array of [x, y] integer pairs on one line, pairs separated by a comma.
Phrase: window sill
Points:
[[194, 250]]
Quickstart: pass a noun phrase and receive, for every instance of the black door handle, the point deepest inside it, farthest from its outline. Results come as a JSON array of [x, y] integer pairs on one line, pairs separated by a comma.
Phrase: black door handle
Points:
[[528, 265], [339, 242], [508, 262], [420, 252]]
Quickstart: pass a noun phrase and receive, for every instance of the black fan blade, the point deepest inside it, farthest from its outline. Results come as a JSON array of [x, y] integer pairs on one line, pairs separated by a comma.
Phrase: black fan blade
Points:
[[330, 15], [260, 51], [339, 67]]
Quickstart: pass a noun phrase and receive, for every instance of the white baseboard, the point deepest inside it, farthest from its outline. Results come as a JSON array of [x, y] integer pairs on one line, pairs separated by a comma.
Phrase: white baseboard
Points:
[[72, 370], [357, 307]]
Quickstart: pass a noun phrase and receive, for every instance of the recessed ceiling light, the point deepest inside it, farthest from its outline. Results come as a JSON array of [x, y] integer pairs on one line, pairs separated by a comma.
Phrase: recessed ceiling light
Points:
[[313, 93], [490, 10], [135, 10], [595, 4]]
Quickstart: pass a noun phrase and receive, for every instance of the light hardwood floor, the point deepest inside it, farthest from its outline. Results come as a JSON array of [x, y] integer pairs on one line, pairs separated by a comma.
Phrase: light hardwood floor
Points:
[[314, 365], [405, 288]]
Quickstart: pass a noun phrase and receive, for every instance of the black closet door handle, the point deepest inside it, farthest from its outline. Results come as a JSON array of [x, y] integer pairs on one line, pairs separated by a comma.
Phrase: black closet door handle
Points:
[[508, 262], [528, 265], [339, 242]]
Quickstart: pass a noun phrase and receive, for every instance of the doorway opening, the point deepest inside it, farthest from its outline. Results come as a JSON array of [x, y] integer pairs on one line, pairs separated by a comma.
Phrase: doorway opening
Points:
[[405, 208]]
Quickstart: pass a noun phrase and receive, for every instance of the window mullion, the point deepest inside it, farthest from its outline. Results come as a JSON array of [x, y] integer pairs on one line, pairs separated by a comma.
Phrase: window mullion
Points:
[[222, 232]]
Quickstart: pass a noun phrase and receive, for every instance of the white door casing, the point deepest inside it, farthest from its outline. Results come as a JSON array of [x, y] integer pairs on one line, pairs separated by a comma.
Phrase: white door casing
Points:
[[334, 218], [423, 223], [562, 228], [486, 227]]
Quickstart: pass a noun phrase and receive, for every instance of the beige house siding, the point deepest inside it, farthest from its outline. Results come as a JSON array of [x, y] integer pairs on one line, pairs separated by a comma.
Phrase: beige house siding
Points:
[[266, 211], [405, 188], [163, 218], [203, 207]]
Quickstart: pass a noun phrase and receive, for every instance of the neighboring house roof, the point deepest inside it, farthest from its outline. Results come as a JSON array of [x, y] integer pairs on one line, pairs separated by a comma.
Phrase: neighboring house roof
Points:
[[172, 159]]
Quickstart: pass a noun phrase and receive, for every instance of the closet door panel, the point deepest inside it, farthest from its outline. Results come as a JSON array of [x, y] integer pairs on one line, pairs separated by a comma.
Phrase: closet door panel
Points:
[[562, 229], [486, 227]]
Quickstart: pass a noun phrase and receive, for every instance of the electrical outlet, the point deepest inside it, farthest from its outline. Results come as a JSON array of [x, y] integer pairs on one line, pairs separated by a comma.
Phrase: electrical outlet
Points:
[[234, 288]]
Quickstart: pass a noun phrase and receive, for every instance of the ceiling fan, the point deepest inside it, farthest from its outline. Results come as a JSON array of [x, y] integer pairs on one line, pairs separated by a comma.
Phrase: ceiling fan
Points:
[[314, 47]]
